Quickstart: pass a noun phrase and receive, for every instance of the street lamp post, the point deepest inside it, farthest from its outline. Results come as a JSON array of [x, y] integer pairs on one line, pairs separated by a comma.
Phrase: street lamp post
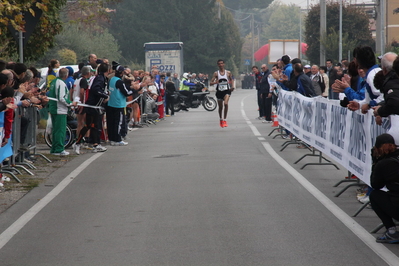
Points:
[[340, 32]]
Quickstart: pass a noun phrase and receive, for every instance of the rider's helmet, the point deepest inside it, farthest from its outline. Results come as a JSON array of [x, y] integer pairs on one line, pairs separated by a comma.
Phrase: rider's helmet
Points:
[[185, 75]]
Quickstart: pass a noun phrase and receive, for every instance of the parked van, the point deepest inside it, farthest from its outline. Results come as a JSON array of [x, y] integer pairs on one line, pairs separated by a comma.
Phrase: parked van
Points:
[[44, 71]]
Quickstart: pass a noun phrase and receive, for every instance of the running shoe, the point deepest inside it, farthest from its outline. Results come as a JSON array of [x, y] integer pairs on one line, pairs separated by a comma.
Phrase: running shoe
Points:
[[63, 153], [388, 238], [76, 148], [99, 148], [224, 123], [5, 179], [221, 123], [120, 143]]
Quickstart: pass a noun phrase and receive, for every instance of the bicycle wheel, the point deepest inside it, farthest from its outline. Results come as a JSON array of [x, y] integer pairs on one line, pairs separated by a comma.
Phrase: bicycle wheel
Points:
[[69, 138]]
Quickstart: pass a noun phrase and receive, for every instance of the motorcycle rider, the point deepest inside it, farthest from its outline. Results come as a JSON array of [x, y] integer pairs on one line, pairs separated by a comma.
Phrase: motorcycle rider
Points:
[[185, 85]]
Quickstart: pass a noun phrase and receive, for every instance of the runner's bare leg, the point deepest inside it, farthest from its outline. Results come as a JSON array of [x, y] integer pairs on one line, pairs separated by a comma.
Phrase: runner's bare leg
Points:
[[220, 103], [226, 105]]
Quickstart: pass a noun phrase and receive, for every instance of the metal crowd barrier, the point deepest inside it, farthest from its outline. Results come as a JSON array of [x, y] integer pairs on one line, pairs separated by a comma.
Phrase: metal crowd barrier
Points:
[[12, 166]]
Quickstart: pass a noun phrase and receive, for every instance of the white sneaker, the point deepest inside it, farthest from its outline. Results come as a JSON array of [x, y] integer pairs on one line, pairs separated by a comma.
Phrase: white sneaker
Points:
[[5, 179], [63, 153], [76, 148], [120, 143], [99, 148], [364, 199]]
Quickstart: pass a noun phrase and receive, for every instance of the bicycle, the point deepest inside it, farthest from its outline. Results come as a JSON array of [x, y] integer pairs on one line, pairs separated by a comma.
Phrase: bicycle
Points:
[[70, 135]]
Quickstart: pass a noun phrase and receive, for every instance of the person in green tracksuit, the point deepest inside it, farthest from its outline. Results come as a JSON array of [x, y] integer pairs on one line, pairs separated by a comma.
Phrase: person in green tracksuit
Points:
[[58, 110]]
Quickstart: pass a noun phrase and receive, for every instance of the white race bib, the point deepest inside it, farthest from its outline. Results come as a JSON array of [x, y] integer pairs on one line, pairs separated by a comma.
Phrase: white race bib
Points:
[[223, 86]]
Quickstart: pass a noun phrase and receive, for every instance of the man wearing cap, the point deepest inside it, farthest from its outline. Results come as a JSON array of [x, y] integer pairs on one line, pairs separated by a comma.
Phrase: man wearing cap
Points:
[[307, 70], [385, 174]]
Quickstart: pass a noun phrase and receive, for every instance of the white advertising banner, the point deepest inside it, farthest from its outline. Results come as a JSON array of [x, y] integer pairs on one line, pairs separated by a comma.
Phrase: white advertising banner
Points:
[[345, 136]]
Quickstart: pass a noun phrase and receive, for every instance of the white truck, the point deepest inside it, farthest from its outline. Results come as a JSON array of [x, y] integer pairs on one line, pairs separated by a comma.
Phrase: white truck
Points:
[[166, 56]]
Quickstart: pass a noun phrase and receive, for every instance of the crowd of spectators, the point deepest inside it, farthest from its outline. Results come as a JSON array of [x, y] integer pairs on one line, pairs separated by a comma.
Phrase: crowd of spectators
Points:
[[107, 100], [361, 84]]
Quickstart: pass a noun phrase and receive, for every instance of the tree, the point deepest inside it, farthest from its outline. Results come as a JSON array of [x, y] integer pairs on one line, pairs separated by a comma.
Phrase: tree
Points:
[[282, 22], [13, 17], [67, 57], [84, 41], [355, 27], [206, 38], [14, 13]]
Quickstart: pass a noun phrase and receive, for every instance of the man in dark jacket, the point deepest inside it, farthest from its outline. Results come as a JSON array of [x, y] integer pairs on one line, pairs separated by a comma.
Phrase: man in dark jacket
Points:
[[258, 78], [304, 85], [97, 96], [266, 96], [390, 87]]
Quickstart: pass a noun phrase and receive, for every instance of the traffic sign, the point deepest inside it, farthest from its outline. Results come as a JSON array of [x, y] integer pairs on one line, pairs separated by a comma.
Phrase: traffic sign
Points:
[[247, 62]]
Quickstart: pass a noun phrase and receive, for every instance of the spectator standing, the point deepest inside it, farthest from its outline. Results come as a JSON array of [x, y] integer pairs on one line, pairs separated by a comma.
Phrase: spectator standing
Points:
[[390, 86], [116, 107], [365, 59], [304, 86], [332, 76], [266, 94], [70, 80], [258, 78], [287, 70], [323, 73], [176, 80], [317, 80], [79, 94], [58, 110], [170, 100], [52, 71], [93, 61], [96, 97], [307, 70]]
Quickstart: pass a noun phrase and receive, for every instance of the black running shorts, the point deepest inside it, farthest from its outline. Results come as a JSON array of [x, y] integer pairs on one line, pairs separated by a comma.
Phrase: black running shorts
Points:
[[220, 94]]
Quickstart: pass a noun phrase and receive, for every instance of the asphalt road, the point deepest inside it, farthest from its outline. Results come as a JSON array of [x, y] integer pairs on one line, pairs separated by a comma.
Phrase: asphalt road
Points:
[[187, 192]]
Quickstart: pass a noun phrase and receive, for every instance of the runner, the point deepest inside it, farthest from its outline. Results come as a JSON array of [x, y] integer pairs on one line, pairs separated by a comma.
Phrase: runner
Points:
[[224, 82]]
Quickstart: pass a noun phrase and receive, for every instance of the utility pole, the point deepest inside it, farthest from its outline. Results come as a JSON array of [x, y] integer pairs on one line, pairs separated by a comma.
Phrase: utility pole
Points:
[[380, 27], [253, 39], [323, 30], [340, 32], [382, 23], [300, 33]]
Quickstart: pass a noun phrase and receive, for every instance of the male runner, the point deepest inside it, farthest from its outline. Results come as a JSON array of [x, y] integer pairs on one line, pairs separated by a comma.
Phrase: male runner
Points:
[[224, 82]]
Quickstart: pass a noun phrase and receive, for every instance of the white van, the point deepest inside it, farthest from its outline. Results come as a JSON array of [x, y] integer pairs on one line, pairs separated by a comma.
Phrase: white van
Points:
[[44, 71]]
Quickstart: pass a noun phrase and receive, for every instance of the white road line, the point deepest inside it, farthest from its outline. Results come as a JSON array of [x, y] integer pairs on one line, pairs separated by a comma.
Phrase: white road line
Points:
[[27, 216], [383, 252]]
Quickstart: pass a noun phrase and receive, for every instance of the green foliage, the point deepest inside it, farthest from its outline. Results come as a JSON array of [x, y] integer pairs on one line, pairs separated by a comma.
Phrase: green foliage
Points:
[[50, 24], [206, 38], [244, 4], [355, 27], [282, 22], [43, 36], [331, 44], [67, 56], [84, 41]]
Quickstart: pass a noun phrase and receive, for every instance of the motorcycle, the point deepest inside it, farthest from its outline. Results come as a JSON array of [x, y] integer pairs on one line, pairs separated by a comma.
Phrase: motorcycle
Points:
[[200, 96]]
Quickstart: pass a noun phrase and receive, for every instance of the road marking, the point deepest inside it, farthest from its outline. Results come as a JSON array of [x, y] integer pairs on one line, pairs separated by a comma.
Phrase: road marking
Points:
[[384, 253], [27, 216]]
